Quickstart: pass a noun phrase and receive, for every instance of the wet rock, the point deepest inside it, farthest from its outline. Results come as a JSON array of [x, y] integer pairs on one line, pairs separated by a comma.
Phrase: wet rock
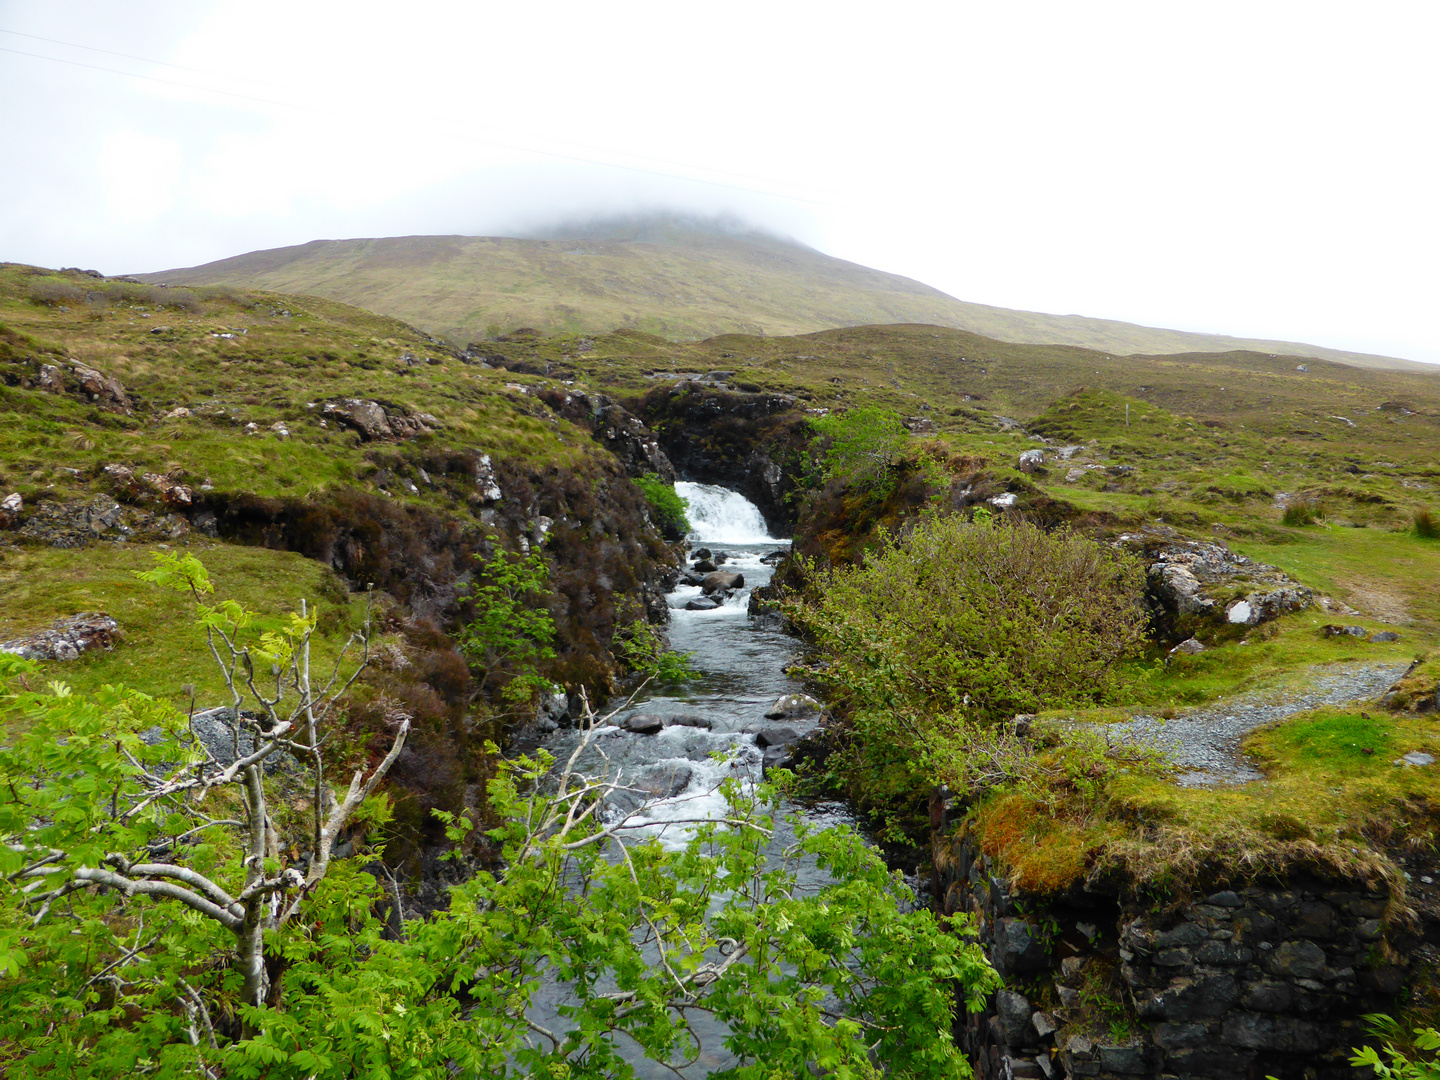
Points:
[[66, 638], [775, 557], [1003, 501], [722, 581], [702, 553], [705, 566], [663, 781], [776, 735], [690, 720], [794, 707], [643, 724], [702, 603], [720, 558]]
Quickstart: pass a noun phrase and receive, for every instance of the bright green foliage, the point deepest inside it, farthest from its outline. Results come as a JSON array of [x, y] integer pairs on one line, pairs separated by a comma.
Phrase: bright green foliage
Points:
[[863, 444], [1400, 1066], [668, 507], [938, 636], [107, 984], [644, 649], [512, 630]]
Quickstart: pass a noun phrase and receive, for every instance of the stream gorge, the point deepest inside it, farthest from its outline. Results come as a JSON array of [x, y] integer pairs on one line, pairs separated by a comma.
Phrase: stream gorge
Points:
[[673, 744]]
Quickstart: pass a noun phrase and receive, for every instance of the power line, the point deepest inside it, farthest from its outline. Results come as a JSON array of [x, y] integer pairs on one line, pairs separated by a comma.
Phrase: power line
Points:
[[468, 135]]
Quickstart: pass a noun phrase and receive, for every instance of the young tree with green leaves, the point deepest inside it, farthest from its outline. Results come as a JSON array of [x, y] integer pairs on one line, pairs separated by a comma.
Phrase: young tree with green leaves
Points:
[[137, 865], [861, 446]]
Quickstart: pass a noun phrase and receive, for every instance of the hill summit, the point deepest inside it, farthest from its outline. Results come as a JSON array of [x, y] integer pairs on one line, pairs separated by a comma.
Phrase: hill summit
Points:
[[679, 277]]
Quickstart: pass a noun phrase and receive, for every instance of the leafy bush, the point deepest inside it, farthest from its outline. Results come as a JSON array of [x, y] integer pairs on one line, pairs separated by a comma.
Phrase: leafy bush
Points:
[[511, 631], [863, 444], [1426, 527], [939, 636], [668, 506]]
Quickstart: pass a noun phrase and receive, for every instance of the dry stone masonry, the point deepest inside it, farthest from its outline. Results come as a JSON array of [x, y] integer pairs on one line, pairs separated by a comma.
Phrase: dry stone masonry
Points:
[[1248, 982]]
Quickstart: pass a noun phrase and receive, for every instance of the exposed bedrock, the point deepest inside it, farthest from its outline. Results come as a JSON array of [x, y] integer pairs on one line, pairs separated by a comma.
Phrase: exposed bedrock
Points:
[[748, 442]]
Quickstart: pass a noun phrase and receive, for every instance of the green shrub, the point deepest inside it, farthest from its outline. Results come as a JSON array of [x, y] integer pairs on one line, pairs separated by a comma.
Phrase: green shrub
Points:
[[1426, 527], [666, 505], [863, 444], [939, 637]]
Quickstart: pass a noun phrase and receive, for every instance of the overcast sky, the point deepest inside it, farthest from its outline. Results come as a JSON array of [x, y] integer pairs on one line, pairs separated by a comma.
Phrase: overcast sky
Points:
[[1261, 169]]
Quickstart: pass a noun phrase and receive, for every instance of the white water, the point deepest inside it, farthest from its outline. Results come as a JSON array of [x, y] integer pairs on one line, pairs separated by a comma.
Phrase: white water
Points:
[[721, 516], [741, 666]]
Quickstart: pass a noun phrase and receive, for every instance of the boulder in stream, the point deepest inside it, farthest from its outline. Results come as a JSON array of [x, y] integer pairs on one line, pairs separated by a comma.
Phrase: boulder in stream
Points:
[[663, 781], [702, 603], [705, 566], [643, 724], [694, 720], [722, 581], [794, 707], [776, 735]]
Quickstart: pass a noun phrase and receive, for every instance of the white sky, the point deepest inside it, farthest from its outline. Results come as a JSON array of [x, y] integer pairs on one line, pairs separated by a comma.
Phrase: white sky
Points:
[[1258, 168]]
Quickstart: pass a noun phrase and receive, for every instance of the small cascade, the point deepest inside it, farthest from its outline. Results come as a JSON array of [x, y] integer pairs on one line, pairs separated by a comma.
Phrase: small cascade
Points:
[[721, 516]]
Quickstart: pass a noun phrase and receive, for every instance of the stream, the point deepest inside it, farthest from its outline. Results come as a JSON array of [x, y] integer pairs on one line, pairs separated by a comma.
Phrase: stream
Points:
[[740, 662]]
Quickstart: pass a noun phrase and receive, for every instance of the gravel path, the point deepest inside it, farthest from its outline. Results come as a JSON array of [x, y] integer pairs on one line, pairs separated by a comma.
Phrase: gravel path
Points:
[[1205, 743]]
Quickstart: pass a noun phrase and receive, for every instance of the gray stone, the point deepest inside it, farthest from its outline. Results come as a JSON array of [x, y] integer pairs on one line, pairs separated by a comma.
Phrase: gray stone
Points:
[[1125, 1060], [1224, 899], [1044, 1024], [794, 707], [1256, 1031], [1383, 636], [722, 581], [689, 720], [1369, 930], [1013, 1012], [702, 603], [1316, 920], [1297, 959], [1018, 948], [776, 735], [1180, 1036], [1185, 934], [1223, 953], [663, 781], [1415, 758], [704, 566], [1031, 461], [1189, 647], [1268, 997], [643, 724], [67, 638], [1198, 998]]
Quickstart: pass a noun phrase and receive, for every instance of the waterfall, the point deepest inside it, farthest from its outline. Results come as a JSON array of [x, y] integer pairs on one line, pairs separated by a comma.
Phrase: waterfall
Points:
[[721, 516]]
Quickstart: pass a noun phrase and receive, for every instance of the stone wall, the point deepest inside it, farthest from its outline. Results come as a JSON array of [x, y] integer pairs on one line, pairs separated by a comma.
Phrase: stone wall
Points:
[[1248, 982]]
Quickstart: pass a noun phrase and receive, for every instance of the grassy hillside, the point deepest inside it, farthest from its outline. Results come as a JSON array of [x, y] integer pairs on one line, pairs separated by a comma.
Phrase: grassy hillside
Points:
[[667, 278]]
